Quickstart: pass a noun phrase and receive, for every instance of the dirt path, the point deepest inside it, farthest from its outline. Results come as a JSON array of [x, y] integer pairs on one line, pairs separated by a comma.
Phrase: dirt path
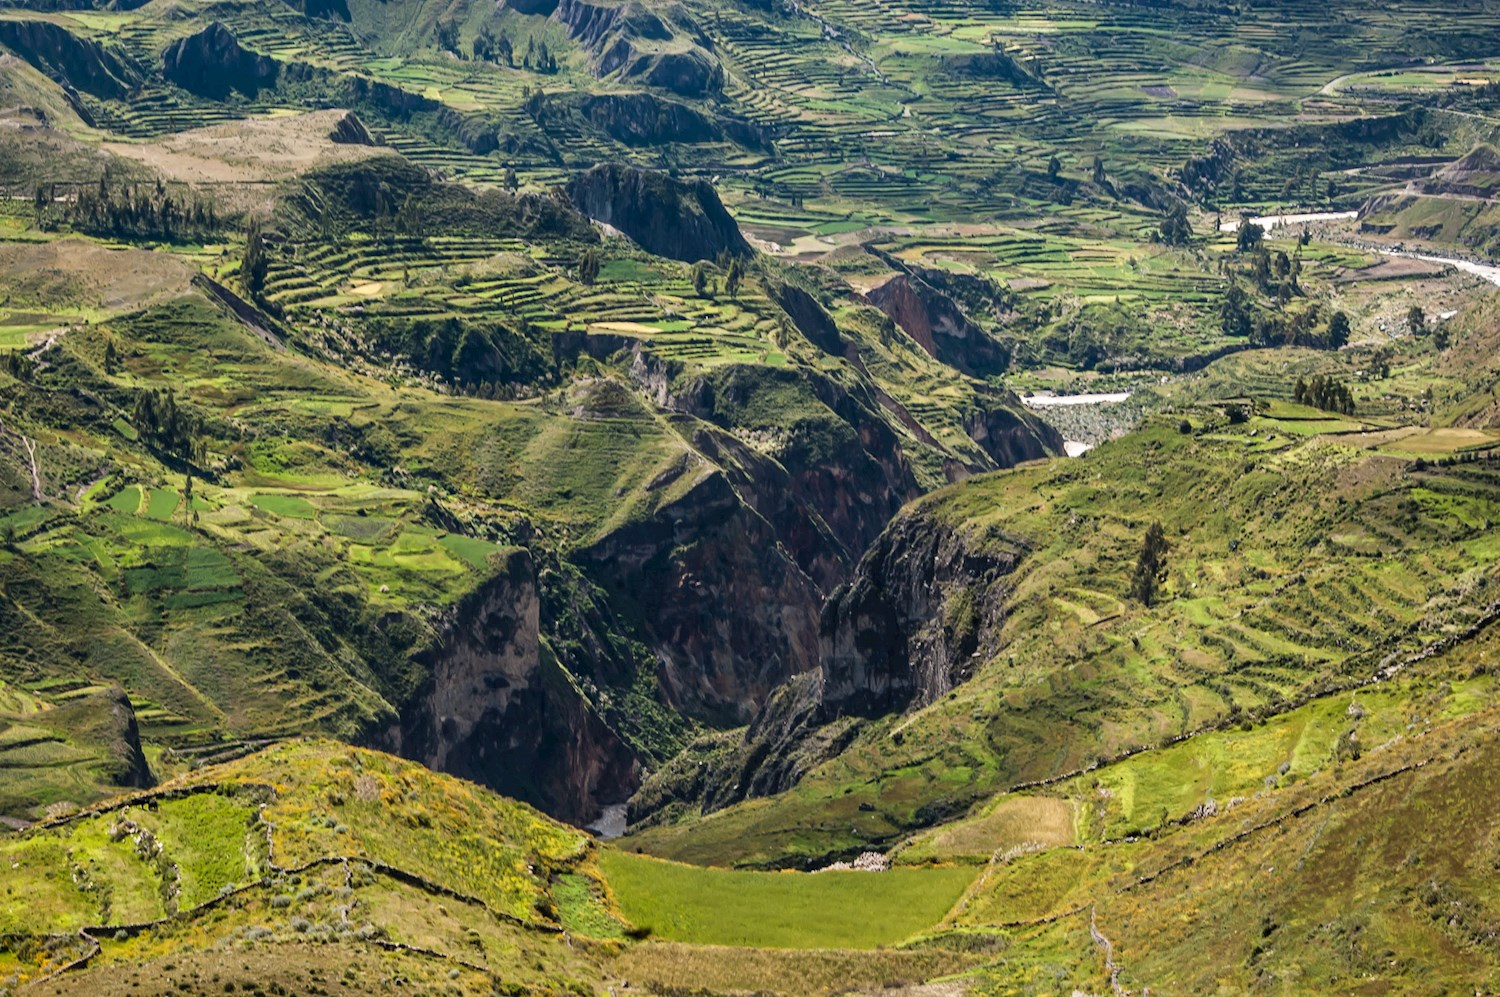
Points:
[[1110, 966], [29, 445]]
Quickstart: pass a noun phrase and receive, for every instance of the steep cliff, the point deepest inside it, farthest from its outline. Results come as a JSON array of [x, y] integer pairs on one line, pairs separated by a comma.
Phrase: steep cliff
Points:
[[1008, 433], [644, 119], [727, 610], [679, 219], [660, 46], [80, 62], [212, 63], [939, 325], [924, 607], [499, 709]]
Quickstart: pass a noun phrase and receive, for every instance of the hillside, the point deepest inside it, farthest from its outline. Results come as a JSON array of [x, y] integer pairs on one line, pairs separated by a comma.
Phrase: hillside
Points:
[[1045, 455]]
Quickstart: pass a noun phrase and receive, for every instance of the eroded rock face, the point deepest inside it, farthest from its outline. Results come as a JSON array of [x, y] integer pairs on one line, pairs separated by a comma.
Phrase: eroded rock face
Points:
[[80, 62], [660, 46], [939, 325], [1009, 434], [726, 609], [642, 119], [212, 63], [682, 220], [924, 608], [349, 130], [500, 710]]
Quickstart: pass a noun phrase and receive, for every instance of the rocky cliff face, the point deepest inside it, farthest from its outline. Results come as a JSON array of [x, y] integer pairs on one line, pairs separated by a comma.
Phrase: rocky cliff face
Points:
[[728, 612], [924, 607], [81, 62], [499, 709], [1009, 434], [660, 45], [939, 325], [212, 63], [682, 220], [643, 119]]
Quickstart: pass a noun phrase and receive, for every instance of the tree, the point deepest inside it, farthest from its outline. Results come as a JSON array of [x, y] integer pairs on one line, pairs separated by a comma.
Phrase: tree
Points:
[[588, 266], [1235, 316], [1249, 236], [1416, 320], [1175, 229], [1338, 331], [1150, 566], [733, 275], [255, 264]]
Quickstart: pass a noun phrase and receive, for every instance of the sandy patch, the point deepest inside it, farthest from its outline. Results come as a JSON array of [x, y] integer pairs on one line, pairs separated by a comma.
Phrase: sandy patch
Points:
[[73, 273], [256, 150]]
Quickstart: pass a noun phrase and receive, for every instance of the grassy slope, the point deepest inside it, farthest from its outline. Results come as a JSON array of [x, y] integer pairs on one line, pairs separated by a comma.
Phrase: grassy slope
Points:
[[779, 910], [1298, 564]]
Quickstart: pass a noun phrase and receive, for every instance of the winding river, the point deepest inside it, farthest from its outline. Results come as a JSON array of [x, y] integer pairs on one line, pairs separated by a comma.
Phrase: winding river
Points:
[[1485, 271]]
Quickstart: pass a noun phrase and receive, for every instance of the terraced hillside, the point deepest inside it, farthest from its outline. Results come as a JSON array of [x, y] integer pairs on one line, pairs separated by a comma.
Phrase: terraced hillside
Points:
[[618, 406]]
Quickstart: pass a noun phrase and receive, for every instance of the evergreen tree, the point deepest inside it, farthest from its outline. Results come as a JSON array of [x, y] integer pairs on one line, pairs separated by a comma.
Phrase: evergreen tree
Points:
[[1175, 229], [255, 264], [733, 276], [1338, 330], [1150, 567], [1249, 236], [588, 266]]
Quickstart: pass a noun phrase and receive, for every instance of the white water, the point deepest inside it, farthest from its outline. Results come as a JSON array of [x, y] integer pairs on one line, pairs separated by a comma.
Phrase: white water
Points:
[[1269, 222], [1487, 271], [611, 823], [1054, 401]]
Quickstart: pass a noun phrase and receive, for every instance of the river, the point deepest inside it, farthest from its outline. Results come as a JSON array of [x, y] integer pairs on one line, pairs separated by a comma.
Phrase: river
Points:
[[1058, 401], [1485, 271], [1269, 222]]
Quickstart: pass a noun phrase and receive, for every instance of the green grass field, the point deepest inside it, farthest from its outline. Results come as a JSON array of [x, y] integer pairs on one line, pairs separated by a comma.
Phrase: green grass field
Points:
[[829, 910]]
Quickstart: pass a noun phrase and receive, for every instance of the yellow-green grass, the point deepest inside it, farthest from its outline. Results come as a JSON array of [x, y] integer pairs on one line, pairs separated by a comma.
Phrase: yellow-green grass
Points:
[[780, 909]]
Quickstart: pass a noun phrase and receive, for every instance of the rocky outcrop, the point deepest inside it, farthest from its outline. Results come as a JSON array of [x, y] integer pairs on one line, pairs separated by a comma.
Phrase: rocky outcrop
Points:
[[993, 66], [679, 219], [1009, 434], [335, 9], [349, 130], [809, 317], [939, 325], [660, 45], [213, 64], [644, 119], [728, 612], [924, 607], [105, 722], [81, 63], [498, 708], [1477, 174]]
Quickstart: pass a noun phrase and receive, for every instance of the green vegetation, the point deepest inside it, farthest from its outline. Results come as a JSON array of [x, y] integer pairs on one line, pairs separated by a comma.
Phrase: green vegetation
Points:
[[779, 910], [336, 405]]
